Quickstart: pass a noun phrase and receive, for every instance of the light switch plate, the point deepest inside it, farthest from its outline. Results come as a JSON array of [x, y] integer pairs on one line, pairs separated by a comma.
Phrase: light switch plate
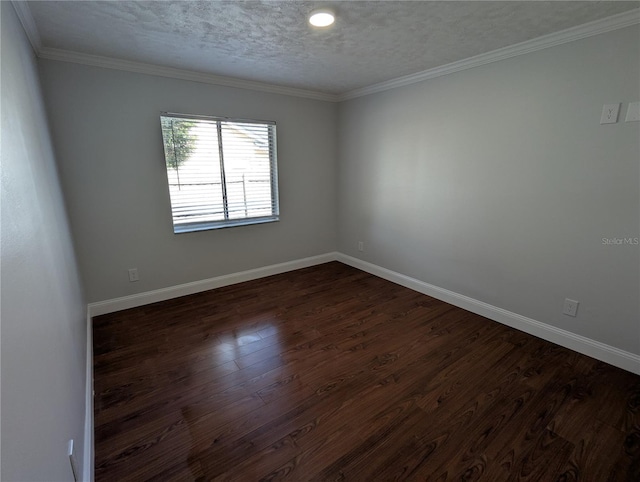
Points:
[[633, 112], [610, 114]]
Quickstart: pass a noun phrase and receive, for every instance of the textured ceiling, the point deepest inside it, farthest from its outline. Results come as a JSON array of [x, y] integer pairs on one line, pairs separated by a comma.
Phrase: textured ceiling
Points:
[[270, 41]]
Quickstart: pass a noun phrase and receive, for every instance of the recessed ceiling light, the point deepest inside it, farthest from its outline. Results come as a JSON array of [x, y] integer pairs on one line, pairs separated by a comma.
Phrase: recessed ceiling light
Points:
[[321, 18]]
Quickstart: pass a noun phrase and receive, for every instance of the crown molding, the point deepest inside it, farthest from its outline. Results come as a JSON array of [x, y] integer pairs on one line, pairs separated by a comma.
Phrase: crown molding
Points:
[[28, 24], [158, 70], [625, 19]]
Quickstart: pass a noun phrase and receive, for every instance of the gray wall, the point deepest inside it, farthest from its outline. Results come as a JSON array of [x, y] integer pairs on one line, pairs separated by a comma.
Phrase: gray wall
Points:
[[43, 313], [498, 183], [107, 134]]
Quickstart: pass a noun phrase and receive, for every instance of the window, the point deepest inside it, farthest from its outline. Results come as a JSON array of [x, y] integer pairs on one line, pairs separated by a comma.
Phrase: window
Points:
[[221, 172]]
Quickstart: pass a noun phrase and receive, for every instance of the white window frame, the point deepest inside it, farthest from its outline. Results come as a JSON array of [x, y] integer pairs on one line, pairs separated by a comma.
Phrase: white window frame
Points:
[[185, 226]]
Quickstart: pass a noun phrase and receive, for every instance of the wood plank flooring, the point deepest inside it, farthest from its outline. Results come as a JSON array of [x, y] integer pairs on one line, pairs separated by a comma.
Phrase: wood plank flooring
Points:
[[329, 373]]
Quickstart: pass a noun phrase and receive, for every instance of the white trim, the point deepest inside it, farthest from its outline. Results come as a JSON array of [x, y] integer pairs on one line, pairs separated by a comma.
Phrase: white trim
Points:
[[140, 299], [28, 24], [625, 19], [158, 70], [597, 27], [87, 463], [601, 351], [609, 354], [614, 356]]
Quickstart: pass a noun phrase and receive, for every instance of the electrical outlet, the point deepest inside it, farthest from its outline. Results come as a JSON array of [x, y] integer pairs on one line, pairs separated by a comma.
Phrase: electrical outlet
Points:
[[609, 113], [570, 307], [360, 245], [72, 460], [133, 274]]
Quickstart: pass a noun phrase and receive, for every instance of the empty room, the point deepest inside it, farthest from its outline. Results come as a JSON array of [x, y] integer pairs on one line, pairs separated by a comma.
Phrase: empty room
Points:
[[302, 240]]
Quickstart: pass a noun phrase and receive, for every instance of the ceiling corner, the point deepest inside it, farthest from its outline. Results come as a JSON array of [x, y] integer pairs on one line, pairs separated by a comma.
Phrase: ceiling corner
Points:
[[28, 24], [590, 29]]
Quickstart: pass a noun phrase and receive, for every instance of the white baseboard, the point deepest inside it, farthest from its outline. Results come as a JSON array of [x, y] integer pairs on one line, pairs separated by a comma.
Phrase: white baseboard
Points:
[[609, 354], [606, 353], [140, 299], [614, 356], [87, 463], [117, 304]]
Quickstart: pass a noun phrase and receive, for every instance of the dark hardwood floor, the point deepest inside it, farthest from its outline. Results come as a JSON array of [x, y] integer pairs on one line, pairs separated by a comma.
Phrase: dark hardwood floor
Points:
[[329, 373]]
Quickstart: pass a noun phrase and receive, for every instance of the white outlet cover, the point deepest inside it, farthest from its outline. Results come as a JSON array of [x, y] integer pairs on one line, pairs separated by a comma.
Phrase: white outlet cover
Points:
[[72, 460], [633, 112], [570, 307], [610, 114]]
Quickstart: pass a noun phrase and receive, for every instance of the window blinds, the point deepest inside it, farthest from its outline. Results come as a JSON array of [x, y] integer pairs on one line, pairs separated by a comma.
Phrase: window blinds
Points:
[[221, 172]]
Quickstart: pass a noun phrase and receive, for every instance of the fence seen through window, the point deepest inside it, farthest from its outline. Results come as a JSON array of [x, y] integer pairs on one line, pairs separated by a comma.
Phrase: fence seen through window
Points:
[[221, 172]]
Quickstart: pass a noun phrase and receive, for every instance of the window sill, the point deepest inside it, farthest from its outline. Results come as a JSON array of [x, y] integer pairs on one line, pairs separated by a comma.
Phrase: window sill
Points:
[[194, 227]]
